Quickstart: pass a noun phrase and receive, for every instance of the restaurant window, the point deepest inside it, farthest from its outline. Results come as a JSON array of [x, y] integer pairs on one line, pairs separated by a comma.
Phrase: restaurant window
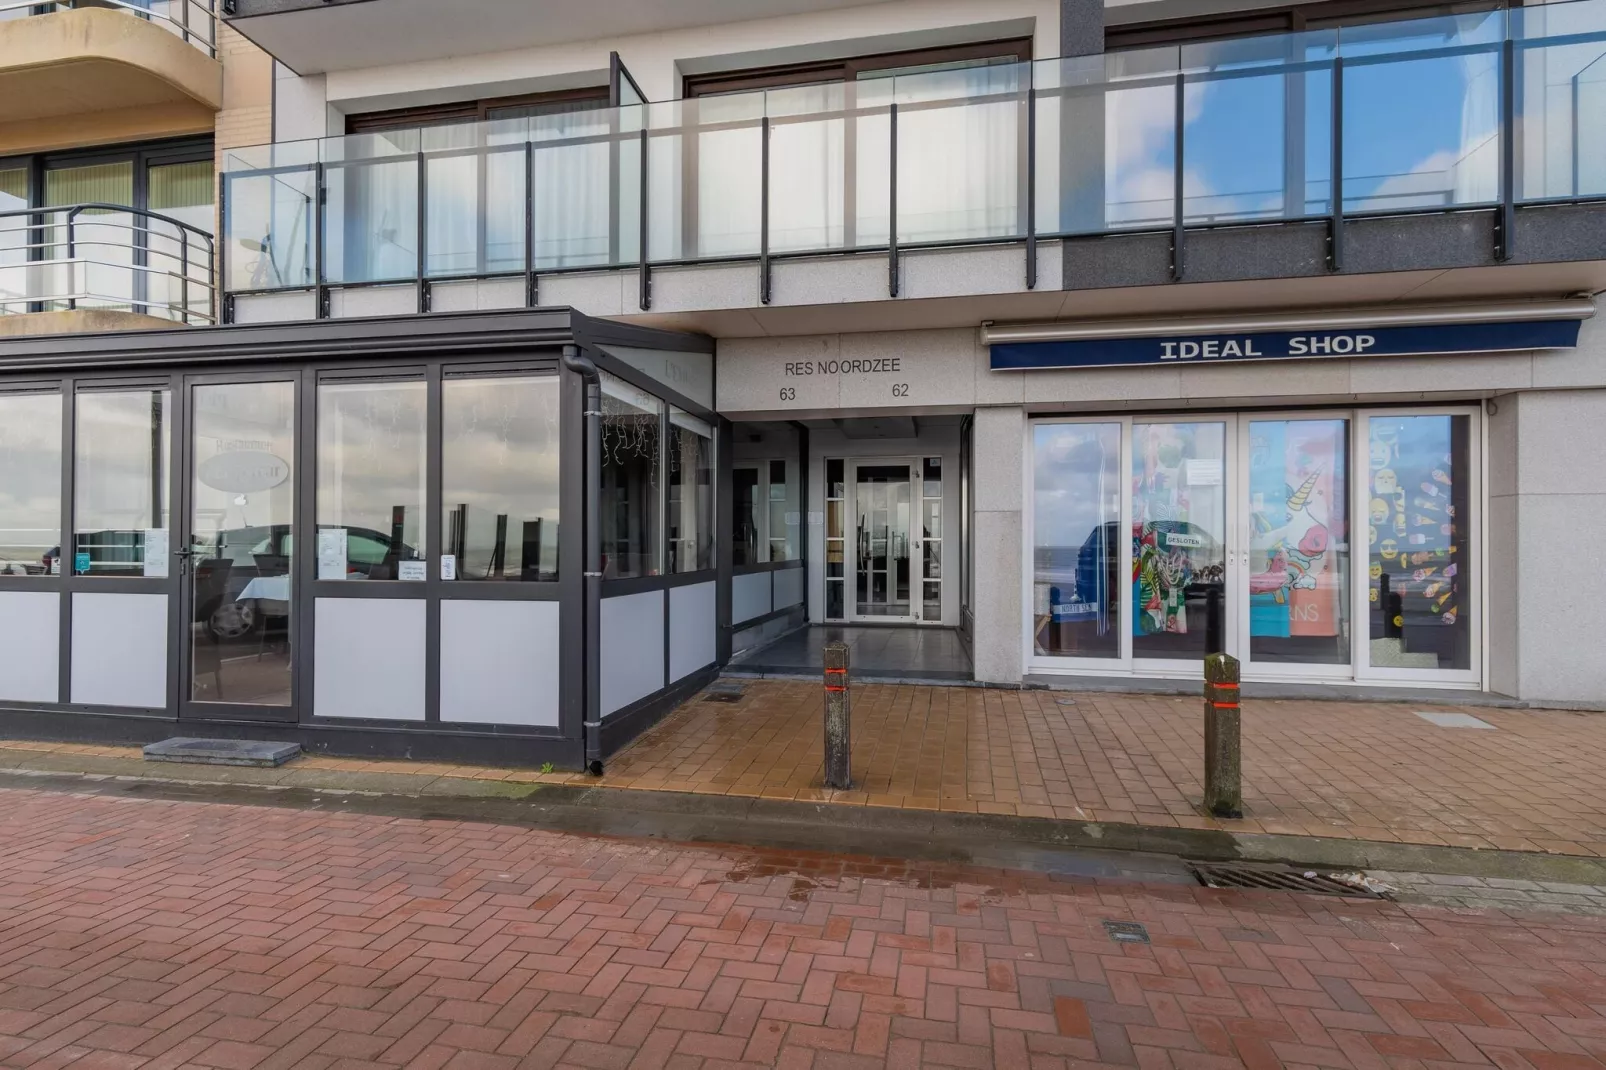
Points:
[[371, 443], [30, 483], [632, 447], [122, 460], [691, 493], [500, 477]]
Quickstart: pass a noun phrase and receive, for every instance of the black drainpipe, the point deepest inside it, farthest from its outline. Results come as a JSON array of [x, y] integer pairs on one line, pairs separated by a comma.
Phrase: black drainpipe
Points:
[[591, 629]]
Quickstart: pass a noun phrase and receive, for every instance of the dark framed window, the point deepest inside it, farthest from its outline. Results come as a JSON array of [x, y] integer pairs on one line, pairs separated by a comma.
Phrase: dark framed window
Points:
[[471, 111], [1287, 18], [852, 69]]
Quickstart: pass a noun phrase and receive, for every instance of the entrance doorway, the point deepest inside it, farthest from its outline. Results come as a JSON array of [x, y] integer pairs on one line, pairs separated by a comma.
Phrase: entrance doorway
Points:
[[236, 541], [1321, 545], [893, 510]]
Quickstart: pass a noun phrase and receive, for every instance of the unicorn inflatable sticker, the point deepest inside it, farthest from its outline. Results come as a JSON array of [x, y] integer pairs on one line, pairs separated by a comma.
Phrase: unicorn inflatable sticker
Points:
[[1296, 554]]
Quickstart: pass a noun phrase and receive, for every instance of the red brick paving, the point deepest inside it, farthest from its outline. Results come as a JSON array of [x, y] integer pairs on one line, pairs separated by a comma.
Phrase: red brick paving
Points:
[[143, 933]]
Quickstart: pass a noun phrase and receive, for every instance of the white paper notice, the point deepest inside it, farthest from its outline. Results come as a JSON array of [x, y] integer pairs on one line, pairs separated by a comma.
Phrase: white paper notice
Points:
[[448, 566], [412, 571], [816, 519], [156, 553], [332, 554], [1203, 472]]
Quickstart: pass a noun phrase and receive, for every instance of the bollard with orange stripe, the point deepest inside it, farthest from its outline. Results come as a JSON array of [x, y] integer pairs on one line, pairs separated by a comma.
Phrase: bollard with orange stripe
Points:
[[1223, 758], [838, 716]]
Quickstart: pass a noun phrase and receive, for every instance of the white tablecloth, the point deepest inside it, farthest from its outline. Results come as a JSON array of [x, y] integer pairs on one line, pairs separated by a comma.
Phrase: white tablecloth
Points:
[[274, 588]]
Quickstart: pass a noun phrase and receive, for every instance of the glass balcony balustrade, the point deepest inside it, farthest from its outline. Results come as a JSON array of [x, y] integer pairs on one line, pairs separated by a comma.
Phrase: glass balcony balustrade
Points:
[[1494, 109]]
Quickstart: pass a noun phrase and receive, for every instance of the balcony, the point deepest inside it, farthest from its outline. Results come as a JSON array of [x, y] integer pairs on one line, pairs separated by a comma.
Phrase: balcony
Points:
[[1405, 150], [315, 36], [88, 267], [81, 72]]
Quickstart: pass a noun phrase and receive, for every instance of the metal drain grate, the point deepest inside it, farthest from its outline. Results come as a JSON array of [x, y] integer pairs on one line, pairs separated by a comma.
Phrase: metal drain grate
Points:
[[1268, 876], [1126, 932]]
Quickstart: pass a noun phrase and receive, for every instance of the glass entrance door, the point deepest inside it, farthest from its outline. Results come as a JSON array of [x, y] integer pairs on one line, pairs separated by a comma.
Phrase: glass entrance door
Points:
[[885, 541], [237, 545]]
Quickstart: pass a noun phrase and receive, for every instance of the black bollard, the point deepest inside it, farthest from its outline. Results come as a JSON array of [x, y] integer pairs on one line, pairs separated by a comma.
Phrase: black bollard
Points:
[[1223, 772], [838, 711]]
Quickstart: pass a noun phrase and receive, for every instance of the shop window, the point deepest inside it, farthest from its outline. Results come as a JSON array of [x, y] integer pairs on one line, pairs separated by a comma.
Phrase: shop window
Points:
[[1418, 525], [30, 483], [632, 446], [1076, 520], [1299, 562], [691, 493], [371, 443], [500, 476], [122, 460]]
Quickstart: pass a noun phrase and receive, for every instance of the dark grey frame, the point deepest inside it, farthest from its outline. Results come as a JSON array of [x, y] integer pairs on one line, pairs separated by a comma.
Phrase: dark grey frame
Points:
[[311, 353]]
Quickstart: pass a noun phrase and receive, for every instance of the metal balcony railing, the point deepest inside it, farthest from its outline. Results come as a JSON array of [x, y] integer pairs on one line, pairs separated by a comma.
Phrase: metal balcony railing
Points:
[[1489, 111], [194, 21], [105, 256]]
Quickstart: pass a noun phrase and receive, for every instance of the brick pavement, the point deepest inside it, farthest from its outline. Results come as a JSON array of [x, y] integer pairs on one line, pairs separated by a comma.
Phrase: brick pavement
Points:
[[1371, 771], [142, 933], [1353, 770]]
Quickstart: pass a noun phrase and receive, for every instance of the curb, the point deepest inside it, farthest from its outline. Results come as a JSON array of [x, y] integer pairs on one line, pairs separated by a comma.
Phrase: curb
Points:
[[1133, 851]]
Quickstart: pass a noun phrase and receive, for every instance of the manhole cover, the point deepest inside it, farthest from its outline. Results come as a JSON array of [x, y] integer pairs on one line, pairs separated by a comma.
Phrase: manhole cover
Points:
[[1266, 876], [724, 693], [1066, 701], [1126, 932]]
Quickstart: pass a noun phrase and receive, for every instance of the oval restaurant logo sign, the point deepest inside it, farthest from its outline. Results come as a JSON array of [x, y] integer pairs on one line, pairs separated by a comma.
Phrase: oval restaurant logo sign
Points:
[[243, 471], [1296, 345]]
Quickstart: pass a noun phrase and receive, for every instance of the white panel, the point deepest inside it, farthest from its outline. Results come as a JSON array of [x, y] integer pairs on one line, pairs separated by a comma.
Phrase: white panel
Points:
[[368, 658], [788, 587], [499, 662], [373, 301], [750, 596], [632, 648], [275, 308], [692, 628], [476, 294], [119, 650], [30, 646]]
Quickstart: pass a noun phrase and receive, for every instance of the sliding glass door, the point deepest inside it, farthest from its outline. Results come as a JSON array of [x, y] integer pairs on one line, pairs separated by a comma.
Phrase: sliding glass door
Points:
[[1322, 546]]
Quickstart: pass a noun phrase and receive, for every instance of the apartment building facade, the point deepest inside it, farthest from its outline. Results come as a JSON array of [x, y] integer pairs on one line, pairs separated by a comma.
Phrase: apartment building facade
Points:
[[557, 360]]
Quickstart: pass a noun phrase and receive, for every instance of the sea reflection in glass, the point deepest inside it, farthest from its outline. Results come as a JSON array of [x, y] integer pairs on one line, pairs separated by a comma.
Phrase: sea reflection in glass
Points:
[[499, 476], [1076, 558]]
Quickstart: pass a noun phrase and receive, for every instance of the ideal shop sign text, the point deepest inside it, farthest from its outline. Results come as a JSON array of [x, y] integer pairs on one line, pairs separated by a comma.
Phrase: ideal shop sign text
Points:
[[1402, 341]]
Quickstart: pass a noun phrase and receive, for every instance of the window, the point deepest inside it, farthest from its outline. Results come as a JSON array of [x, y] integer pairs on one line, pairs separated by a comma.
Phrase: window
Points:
[[1287, 18], [500, 476], [1076, 562], [470, 111], [1419, 518], [632, 448], [126, 260], [121, 465], [835, 546], [30, 483], [857, 67], [691, 493], [371, 442], [766, 524]]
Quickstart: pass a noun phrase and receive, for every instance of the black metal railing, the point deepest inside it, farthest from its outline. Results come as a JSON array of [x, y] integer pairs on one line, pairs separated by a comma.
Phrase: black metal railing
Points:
[[1489, 111], [105, 256]]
